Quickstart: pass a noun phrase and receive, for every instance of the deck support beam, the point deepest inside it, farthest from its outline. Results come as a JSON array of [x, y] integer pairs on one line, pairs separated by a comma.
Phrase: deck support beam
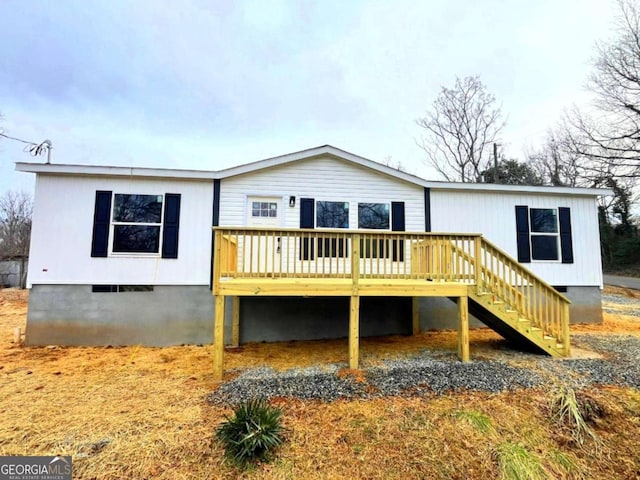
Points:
[[218, 338], [415, 315], [463, 329], [235, 321], [354, 332]]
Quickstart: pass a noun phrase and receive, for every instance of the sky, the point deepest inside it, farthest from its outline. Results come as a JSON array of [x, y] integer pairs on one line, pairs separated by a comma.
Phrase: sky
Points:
[[209, 84]]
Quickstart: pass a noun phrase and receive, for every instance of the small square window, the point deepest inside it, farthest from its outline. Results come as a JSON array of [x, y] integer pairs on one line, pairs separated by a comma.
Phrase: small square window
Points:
[[544, 247], [264, 209], [373, 216], [332, 214], [544, 220], [136, 238], [137, 208]]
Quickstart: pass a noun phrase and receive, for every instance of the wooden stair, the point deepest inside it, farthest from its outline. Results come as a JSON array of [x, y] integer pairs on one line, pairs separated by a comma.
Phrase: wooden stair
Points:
[[516, 303], [508, 323]]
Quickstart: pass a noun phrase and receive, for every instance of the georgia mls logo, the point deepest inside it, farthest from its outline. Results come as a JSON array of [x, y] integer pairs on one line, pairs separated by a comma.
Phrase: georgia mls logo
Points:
[[35, 468]]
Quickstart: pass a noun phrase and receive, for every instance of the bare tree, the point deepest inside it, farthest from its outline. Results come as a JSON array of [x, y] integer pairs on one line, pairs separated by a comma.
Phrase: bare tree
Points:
[[611, 136], [16, 209], [462, 122], [557, 162]]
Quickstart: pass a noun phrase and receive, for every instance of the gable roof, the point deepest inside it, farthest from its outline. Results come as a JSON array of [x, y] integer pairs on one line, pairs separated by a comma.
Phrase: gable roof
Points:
[[309, 154]]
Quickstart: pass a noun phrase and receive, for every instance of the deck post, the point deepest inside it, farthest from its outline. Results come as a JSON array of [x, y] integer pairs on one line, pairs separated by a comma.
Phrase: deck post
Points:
[[217, 261], [354, 311], [463, 329], [218, 338], [566, 343], [235, 321], [415, 315], [354, 332], [477, 268]]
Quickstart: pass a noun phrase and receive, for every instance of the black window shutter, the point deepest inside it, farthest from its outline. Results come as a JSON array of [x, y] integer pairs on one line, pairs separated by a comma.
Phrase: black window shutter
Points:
[[397, 225], [101, 220], [522, 234], [171, 225], [427, 209], [307, 214], [566, 245]]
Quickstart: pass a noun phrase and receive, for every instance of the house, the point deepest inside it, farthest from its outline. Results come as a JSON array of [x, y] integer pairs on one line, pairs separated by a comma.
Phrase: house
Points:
[[314, 244]]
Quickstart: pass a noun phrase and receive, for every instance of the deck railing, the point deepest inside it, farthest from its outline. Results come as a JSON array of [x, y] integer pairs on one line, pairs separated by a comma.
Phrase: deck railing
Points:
[[300, 253], [244, 253]]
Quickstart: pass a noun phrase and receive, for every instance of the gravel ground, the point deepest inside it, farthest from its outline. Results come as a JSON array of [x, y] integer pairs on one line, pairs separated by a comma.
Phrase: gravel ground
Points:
[[439, 372], [610, 301], [435, 372]]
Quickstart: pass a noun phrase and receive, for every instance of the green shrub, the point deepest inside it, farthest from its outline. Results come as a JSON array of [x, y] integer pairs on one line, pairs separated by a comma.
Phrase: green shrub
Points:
[[252, 434]]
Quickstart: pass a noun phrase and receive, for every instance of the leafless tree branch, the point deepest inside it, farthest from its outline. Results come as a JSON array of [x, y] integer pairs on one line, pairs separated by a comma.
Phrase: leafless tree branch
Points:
[[461, 123]]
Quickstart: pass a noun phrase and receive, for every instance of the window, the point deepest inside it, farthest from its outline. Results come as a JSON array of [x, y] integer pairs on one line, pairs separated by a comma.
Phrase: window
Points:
[[544, 233], [373, 216], [137, 220], [139, 224], [264, 209], [332, 214]]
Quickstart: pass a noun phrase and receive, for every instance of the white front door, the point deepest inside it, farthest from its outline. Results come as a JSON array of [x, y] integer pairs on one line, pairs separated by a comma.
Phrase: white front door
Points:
[[262, 252]]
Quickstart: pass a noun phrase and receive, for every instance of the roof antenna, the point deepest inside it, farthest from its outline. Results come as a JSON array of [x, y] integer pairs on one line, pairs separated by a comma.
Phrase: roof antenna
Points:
[[39, 149], [34, 149]]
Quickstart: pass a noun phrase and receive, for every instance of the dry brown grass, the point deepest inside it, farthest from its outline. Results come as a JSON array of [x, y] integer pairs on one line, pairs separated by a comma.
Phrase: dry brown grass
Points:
[[615, 323], [139, 413]]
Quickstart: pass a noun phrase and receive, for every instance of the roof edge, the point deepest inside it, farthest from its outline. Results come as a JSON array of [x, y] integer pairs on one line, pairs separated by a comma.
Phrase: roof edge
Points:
[[74, 169], [324, 150]]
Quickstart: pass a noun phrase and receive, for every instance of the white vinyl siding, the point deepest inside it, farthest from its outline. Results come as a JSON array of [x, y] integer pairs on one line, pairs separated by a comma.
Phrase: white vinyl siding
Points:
[[493, 215], [62, 230], [323, 179]]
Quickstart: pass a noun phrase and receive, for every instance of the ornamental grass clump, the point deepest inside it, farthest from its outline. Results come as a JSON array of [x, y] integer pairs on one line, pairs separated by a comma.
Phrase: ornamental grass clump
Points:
[[253, 433], [574, 412]]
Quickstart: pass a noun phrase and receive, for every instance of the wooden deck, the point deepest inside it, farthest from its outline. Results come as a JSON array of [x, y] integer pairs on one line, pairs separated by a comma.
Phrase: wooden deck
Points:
[[296, 262]]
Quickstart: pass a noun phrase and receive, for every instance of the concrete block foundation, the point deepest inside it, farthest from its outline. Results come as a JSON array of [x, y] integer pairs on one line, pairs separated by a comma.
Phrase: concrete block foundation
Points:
[[175, 315]]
